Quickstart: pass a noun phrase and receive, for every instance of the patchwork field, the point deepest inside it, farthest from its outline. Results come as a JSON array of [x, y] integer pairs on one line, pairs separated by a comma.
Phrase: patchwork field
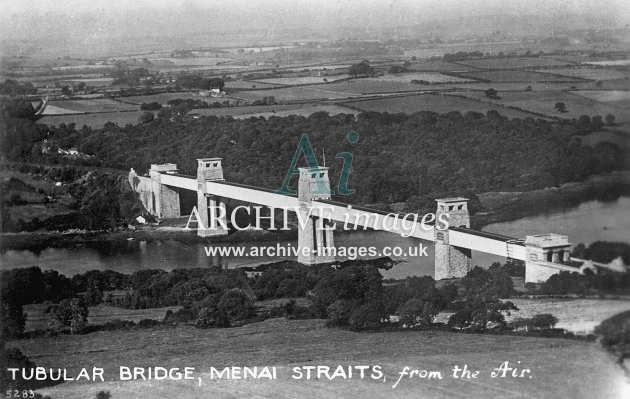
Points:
[[514, 63], [432, 77], [591, 73], [544, 103], [94, 120], [246, 84], [616, 97], [584, 369], [438, 66], [273, 110], [87, 106], [317, 92], [190, 61], [163, 98], [306, 80], [517, 76], [306, 111], [432, 102]]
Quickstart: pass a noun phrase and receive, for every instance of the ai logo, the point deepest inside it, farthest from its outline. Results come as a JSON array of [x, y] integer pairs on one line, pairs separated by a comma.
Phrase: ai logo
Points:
[[305, 147]]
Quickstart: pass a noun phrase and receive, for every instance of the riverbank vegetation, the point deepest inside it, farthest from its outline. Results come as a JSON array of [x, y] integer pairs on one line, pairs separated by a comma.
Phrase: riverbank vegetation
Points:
[[350, 294]]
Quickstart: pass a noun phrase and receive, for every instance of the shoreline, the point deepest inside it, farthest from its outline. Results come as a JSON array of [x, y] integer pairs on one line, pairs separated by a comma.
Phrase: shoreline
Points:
[[499, 206]]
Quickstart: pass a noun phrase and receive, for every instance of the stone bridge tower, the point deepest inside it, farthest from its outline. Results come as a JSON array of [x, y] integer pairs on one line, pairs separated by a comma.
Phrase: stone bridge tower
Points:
[[313, 184], [451, 261], [209, 169], [164, 202]]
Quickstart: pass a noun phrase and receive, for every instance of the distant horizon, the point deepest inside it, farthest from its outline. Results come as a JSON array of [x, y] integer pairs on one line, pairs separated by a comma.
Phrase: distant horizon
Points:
[[104, 23]]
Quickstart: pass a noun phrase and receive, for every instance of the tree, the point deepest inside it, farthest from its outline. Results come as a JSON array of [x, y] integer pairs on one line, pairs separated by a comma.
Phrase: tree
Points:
[[362, 68], [417, 311], [146, 117], [597, 122], [73, 313], [610, 119], [367, 316], [561, 107], [491, 93], [544, 321], [12, 319], [237, 305], [614, 335], [397, 69]]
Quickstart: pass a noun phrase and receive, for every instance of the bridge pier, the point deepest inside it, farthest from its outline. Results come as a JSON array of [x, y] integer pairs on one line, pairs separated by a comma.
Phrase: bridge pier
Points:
[[164, 201], [543, 254], [314, 232], [210, 208], [451, 261]]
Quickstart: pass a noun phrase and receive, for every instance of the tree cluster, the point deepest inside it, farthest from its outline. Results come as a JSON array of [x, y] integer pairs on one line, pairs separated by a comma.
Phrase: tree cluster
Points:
[[398, 158], [191, 81]]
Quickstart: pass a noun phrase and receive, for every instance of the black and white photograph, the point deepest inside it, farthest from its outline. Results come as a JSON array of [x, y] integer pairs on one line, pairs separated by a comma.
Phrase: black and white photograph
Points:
[[315, 199]]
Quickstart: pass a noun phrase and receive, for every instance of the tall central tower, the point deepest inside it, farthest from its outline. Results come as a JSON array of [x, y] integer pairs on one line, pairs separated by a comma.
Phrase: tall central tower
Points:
[[451, 261]]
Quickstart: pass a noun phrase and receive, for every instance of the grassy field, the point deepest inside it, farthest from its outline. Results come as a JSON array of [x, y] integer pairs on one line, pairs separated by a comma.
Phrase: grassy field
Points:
[[544, 103], [432, 77], [89, 106], [305, 111], [591, 73], [514, 63], [93, 120], [246, 84], [438, 66], [317, 92], [305, 80], [36, 318], [517, 76], [616, 97], [559, 368], [163, 98], [432, 102], [250, 110]]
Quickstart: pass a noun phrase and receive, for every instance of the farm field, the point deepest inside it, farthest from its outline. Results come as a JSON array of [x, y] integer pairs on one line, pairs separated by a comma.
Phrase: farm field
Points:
[[247, 84], [305, 80], [89, 106], [591, 73], [93, 120], [514, 63], [433, 102], [610, 63], [544, 103], [619, 138], [432, 77], [317, 92], [306, 111], [438, 66], [339, 90], [163, 98], [192, 61], [273, 110], [522, 86], [585, 369], [36, 318], [617, 97], [517, 76]]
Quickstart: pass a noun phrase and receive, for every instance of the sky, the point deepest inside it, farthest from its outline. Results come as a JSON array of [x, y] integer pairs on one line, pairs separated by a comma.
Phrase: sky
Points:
[[78, 19], [428, 8]]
